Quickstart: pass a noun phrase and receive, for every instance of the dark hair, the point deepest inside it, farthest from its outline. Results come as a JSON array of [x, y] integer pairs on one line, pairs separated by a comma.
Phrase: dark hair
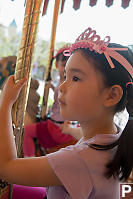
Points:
[[121, 164], [59, 57]]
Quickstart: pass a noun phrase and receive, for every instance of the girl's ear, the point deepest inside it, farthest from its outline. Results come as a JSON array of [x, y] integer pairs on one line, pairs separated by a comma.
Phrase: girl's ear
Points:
[[113, 95]]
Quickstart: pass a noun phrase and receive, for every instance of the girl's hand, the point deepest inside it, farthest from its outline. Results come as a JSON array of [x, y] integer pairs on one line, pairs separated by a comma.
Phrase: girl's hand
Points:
[[11, 91]]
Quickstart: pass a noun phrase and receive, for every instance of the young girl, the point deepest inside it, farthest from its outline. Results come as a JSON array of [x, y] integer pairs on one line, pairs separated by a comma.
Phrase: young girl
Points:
[[98, 84]]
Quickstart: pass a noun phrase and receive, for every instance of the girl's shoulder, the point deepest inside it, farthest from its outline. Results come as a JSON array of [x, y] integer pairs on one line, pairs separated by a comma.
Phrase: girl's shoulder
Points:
[[67, 166]]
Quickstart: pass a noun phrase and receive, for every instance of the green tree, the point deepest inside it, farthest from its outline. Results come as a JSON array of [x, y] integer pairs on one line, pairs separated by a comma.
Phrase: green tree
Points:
[[10, 43]]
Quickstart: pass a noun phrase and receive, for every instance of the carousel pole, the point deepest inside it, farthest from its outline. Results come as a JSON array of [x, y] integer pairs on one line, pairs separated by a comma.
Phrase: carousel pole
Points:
[[47, 77], [23, 68]]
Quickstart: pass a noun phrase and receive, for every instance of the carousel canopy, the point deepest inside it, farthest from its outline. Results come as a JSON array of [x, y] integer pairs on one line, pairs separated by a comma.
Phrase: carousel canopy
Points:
[[76, 4]]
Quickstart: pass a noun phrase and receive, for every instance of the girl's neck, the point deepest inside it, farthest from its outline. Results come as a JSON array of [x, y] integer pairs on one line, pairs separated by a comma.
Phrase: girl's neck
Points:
[[101, 127]]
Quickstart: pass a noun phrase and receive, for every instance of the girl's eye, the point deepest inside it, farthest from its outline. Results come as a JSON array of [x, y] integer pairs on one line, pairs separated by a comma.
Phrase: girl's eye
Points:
[[75, 79]]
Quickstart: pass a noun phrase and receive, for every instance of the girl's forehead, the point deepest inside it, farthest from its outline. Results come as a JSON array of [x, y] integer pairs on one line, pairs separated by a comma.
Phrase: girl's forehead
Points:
[[77, 60], [79, 63]]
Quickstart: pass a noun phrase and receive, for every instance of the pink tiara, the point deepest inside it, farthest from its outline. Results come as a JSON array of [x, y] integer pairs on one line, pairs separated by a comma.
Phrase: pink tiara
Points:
[[89, 39], [61, 50]]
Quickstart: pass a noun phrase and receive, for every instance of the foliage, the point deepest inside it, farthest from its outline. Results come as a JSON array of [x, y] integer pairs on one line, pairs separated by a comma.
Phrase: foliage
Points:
[[10, 41], [42, 50]]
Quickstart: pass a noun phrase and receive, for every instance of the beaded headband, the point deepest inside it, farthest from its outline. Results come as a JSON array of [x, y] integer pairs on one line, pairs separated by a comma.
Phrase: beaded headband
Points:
[[89, 39]]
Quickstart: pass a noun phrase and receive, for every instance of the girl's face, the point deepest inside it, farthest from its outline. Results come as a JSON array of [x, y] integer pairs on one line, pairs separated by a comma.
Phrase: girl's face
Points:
[[81, 95]]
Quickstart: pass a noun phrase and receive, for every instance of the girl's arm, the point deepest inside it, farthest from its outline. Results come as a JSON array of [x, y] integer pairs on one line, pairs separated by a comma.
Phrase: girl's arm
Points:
[[32, 171]]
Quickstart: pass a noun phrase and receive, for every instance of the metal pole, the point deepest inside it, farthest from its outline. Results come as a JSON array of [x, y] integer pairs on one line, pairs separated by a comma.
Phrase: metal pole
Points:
[[47, 76]]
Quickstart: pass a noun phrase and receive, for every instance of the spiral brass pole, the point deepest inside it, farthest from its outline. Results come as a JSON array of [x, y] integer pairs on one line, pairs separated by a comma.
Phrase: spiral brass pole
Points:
[[47, 77], [24, 66]]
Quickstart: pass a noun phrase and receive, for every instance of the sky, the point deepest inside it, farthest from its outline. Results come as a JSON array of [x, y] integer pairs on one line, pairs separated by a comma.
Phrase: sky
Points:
[[114, 21]]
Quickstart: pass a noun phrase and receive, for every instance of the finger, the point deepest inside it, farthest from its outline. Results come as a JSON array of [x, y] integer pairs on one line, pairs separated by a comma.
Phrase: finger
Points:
[[10, 79], [21, 82]]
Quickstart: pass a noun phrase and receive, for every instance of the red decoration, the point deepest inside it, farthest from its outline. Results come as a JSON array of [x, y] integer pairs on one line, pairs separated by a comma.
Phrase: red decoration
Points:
[[125, 3], [93, 2], [76, 4], [45, 7], [109, 2], [62, 6]]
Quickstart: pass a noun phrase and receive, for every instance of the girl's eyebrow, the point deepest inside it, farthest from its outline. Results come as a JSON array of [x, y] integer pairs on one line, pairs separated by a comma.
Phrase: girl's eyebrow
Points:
[[75, 70]]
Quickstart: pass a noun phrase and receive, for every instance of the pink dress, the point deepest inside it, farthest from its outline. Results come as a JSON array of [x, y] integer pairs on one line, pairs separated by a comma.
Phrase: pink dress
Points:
[[81, 170]]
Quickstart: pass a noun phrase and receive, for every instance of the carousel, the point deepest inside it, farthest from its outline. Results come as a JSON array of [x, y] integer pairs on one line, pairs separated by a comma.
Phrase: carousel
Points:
[[22, 65]]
